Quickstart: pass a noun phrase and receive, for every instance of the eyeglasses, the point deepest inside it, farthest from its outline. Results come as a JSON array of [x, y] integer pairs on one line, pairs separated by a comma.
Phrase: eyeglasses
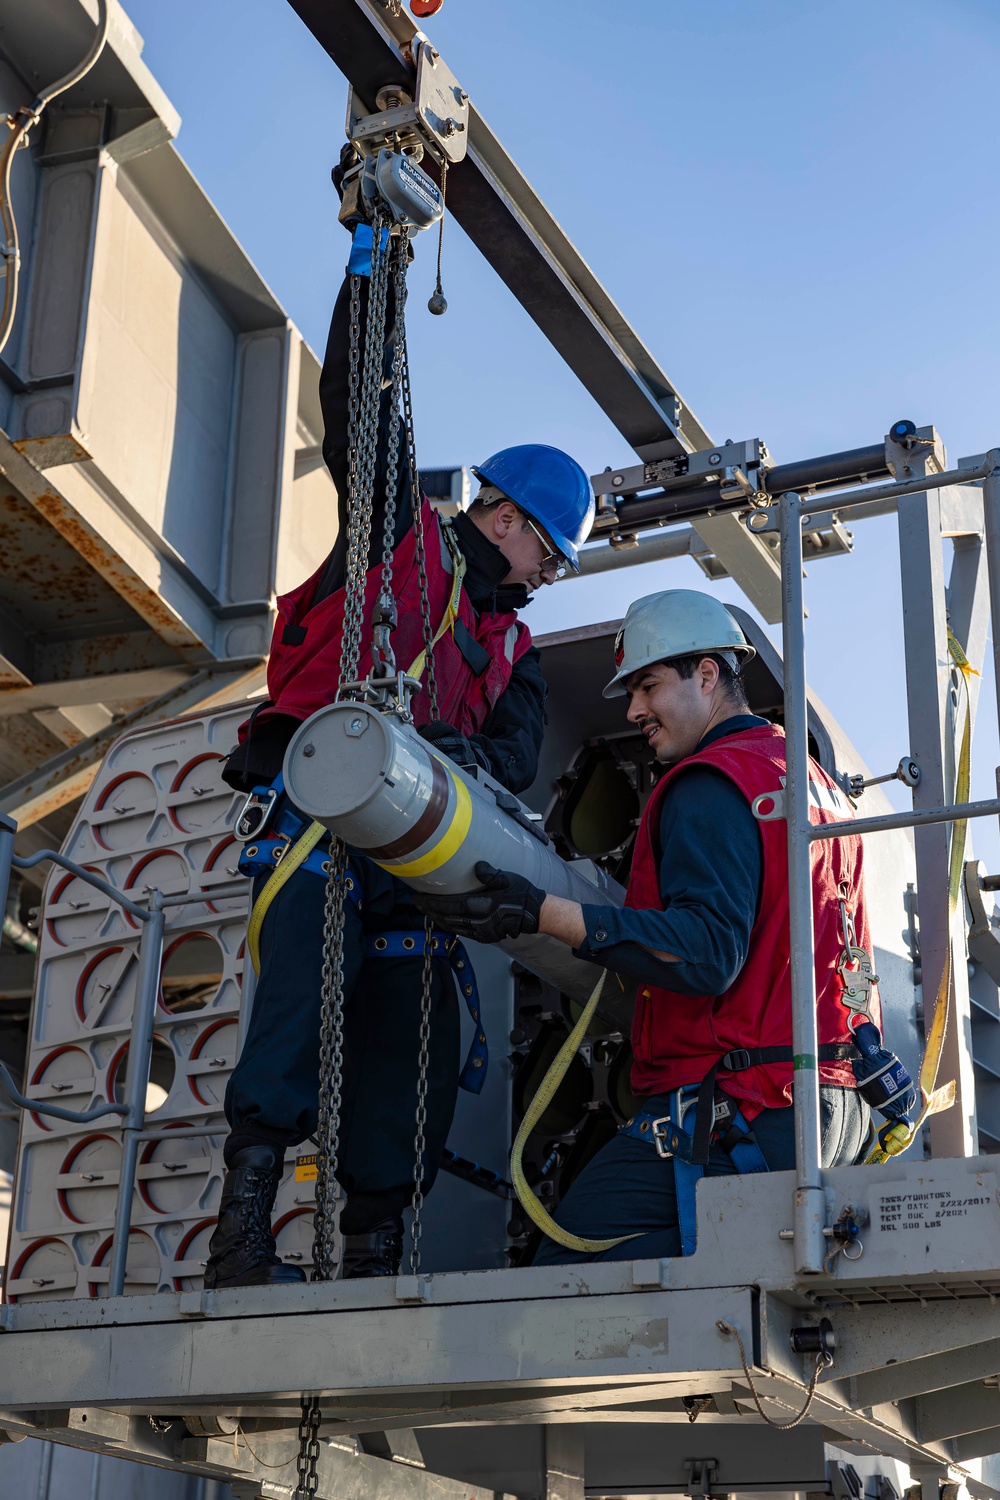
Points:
[[552, 561]]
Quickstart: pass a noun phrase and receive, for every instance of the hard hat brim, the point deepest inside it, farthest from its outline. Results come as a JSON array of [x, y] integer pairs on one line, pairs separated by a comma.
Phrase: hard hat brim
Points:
[[616, 687]]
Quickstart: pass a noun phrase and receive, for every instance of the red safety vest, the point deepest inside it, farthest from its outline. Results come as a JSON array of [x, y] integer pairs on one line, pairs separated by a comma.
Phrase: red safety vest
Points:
[[303, 669], [677, 1039]]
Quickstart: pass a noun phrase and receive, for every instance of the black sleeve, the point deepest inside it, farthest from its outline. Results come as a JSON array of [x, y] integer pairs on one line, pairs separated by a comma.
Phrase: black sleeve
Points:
[[334, 393], [711, 866], [512, 735]]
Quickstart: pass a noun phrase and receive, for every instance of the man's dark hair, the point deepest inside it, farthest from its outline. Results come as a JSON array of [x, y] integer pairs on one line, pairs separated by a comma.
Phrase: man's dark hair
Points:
[[732, 682]]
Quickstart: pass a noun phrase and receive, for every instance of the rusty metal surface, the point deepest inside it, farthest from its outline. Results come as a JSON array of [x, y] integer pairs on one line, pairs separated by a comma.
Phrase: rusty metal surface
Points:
[[49, 503]]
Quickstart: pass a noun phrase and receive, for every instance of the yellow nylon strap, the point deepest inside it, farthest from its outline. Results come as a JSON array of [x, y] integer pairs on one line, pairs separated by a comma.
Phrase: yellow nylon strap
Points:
[[553, 1078], [295, 855], [451, 613], [937, 1099]]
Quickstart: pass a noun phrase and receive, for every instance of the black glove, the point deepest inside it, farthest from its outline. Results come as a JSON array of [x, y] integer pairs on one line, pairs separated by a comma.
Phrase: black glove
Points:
[[451, 742], [505, 906]]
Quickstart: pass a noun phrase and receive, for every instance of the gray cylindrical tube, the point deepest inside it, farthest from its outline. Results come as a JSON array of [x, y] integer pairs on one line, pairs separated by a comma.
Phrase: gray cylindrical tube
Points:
[[377, 785]]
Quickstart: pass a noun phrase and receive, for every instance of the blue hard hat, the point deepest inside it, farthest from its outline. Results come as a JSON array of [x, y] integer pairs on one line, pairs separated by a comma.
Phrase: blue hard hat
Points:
[[550, 487]]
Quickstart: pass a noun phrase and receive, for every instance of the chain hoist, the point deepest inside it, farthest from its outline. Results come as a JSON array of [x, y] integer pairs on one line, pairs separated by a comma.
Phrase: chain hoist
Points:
[[385, 686]]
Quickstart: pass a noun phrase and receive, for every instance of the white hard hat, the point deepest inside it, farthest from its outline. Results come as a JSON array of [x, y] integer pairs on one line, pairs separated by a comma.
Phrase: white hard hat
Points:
[[677, 622]]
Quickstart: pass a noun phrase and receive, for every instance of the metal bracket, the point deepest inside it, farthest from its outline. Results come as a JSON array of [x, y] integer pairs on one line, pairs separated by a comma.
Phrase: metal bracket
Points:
[[436, 117], [701, 1476], [908, 772]]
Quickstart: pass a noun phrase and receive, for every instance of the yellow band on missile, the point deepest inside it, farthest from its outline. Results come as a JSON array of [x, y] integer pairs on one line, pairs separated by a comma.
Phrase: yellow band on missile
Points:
[[452, 838]]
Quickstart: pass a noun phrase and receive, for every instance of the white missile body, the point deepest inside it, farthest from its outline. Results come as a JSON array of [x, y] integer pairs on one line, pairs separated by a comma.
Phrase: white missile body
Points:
[[372, 780]]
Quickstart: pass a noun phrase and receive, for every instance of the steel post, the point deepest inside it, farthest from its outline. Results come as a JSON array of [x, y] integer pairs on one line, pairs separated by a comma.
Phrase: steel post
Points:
[[810, 1207], [932, 735], [8, 831], [991, 513], [140, 1051]]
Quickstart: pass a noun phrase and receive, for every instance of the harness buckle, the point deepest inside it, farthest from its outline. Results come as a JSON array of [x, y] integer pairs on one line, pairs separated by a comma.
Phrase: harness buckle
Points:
[[665, 1129], [255, 814], [736, 1061]]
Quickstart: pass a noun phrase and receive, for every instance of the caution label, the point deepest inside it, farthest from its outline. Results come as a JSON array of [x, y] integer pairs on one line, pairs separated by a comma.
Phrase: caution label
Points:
[[306, 1169]]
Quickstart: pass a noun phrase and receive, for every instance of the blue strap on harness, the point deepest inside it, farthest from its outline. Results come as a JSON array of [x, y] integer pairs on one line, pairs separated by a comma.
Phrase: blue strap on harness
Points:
[[411, 945], [665, 1134]]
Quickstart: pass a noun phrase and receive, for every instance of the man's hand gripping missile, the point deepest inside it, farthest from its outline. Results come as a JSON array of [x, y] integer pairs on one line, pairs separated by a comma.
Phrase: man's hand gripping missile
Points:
[[505, 906]]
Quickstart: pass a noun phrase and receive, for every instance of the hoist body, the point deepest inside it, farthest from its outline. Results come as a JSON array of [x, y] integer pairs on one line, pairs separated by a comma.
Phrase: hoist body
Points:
[[371, 779]]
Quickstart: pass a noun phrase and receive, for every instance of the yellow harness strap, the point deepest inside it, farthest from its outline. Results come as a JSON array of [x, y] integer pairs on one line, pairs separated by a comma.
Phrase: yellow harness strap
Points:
[[451, 613], [553, 1078], [937, 1099], [295, 855]]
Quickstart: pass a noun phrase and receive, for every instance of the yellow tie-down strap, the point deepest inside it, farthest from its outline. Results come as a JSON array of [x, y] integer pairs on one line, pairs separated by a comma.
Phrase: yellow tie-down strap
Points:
[[546, 1090], [295, 855], [935, 1099], [451, 613]]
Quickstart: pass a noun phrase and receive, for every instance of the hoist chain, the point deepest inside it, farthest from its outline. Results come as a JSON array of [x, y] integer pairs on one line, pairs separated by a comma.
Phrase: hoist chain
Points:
[[423, 1064], [383, 656], [427, 625], [363, 432], [308, 1454], [363, 468], [331, 1063]]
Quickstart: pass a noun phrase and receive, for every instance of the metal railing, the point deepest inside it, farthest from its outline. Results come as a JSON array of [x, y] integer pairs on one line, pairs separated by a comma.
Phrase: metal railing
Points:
[[132, 1110], [810, 1209]]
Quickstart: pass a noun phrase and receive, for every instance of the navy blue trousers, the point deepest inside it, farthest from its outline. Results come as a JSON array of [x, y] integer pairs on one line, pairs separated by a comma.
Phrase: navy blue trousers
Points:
[[628, 1189], [273, 1092]]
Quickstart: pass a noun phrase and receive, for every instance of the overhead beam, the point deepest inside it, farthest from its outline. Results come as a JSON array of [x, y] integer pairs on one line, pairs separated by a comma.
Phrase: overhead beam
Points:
[[114, 549], [509, 224], [68, 775], [514, 231]]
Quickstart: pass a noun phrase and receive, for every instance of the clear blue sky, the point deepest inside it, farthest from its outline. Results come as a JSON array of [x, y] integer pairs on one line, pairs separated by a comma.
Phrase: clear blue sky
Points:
[[794, 203]]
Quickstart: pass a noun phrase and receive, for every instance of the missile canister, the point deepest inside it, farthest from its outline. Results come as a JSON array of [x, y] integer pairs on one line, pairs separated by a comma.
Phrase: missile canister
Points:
[[372, 780]]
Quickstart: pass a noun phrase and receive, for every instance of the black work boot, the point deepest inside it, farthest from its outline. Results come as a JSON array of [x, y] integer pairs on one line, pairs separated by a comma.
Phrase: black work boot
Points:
[[377, 1253], [241, 1250]]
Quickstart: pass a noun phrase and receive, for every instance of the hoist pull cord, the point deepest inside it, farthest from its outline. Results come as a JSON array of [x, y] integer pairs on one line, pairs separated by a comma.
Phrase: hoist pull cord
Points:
[[19, 123], [935, 1100], [542, 1099]]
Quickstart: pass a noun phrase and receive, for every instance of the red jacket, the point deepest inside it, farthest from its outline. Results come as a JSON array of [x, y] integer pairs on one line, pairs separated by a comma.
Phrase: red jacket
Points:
[[677, 1039], [303, 670]]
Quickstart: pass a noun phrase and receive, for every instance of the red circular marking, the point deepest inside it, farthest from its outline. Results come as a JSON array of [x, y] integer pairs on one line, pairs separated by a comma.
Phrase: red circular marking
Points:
[[138, 868], [82, 982], [40, 1071], [57, 893], [88, 1140], [113, 786], [94, 1287], [425, 7], [116, 1063], [189, 1239], [185, 771], [28, 1252], [147, 1157], [210, 863], [196, 1052]]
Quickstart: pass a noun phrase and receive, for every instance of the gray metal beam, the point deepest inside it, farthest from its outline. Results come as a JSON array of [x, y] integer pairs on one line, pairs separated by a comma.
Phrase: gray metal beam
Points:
[[110, 687], [514, 231], [67, 776], [962, 1409], [932, 745]]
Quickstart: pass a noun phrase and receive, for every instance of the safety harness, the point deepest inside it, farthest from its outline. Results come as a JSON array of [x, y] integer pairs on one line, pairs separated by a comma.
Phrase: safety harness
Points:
[[277, 841]]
